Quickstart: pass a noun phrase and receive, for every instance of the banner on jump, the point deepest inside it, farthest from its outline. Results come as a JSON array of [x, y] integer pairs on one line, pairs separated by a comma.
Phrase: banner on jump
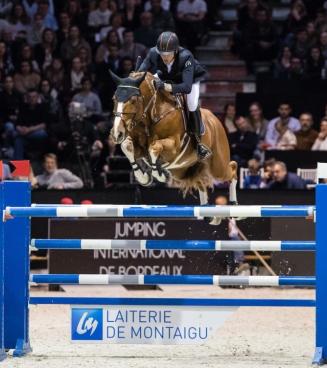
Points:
[[147, 325]]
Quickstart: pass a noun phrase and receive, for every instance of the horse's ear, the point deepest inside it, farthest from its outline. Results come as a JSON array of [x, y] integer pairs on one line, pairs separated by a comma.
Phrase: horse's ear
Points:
[[115, 78]]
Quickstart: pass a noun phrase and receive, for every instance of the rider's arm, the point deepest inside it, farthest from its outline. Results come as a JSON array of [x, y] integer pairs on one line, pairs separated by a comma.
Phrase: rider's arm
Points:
[[146, 64], [187, 77]]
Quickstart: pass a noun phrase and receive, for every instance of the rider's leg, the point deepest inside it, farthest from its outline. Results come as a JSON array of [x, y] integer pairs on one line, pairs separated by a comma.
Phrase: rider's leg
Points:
[[194, 123]]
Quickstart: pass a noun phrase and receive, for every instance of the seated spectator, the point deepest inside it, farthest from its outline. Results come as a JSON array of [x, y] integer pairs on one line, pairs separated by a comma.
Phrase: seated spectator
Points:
[[286, 139], [162, 19], [312, 34], [130, 48], [301, 45], [320, 143], [283, 64], [191, 21], [31, 125], [229, 117], [26, 53], [284, 112], [46, 9], [34, 35], [315, 64], [257, 120], [126, 66], [73, 81], [306, 136], [297, 17], [55, 73], [64, 27], [323, 44], [100, 17], [320, 21], [112, 39], [116, 24], [296, 71], [54, 178], [26, 79], [49, 96], [144, 34], [18, 20], [246, 14], [47, 50], [131, 13], [6, 66], [285, 180], [90, 100], [243, 142], [267, 173], [75, 12], [87, 64], [74, 42], [260, 40], [253, 180]]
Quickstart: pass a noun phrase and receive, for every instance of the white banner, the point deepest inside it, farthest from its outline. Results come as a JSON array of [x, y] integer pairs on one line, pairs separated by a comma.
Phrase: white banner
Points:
[[147, 324]]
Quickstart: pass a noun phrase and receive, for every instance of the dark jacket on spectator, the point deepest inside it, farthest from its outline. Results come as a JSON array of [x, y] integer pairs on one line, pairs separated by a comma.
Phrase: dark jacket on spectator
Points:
[[243, 144], [10, 105], [305, 140], [33, 116], [291, 181]]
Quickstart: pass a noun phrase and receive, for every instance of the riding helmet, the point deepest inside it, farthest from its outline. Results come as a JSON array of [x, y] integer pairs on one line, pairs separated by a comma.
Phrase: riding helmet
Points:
[[167, 42]]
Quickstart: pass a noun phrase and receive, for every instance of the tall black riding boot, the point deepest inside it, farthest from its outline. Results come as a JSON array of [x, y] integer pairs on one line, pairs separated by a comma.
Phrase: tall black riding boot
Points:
[[202, 150]]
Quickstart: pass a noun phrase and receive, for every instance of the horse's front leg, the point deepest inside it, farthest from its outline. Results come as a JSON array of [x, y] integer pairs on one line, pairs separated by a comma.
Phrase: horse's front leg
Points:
[[142, 177], [155, 150]]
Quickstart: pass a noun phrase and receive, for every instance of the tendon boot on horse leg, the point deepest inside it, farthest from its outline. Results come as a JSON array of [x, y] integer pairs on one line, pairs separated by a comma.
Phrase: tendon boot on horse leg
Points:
[[157, 171], [142, 177], [195, 120]]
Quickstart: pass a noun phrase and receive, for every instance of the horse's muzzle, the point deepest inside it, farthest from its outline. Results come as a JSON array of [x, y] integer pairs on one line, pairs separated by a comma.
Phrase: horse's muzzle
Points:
[[117, 138]]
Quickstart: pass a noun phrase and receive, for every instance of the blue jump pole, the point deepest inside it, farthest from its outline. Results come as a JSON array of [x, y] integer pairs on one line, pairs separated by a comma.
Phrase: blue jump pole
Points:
[[15, 237], [321, 284]]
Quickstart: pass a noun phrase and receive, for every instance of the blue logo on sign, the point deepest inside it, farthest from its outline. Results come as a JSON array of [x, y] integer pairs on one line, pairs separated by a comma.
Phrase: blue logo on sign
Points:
[[87, 324]]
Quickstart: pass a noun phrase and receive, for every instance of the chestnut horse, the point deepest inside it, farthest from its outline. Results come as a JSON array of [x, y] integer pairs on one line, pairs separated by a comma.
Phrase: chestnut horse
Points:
[[150, 129]]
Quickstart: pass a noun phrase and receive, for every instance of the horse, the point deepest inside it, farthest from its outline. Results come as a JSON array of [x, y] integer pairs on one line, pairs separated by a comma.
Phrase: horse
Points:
[[149, 126]]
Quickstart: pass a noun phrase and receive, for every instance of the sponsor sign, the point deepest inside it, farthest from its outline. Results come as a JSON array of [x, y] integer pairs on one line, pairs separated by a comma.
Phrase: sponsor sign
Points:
[[147, 324]]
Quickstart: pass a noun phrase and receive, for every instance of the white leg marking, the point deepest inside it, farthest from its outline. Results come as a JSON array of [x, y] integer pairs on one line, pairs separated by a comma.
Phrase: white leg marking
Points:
[[203, 197], [160, 177], [117, 120], [128, 149], [232, 191]]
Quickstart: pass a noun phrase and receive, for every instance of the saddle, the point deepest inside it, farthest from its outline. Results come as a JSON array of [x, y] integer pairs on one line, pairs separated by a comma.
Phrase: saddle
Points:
[[181, 104]]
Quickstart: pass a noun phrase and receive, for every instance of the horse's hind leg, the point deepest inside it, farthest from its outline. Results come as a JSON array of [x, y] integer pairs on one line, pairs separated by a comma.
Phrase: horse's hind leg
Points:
[[233, 182], [127, 147]]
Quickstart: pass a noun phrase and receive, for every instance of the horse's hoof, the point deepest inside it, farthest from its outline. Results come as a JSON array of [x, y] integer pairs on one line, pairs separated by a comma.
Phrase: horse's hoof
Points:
[[150, 181], [233, 203], [215, 221], [145, 180]]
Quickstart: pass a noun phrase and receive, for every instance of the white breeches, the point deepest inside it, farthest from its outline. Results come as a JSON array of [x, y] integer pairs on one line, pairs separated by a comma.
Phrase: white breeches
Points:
[[193, 97]]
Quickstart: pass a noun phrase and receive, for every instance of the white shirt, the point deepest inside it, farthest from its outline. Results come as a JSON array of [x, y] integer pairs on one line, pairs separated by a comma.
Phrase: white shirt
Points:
[[195, 7], [319, 145], [272, 134], [99, 18]]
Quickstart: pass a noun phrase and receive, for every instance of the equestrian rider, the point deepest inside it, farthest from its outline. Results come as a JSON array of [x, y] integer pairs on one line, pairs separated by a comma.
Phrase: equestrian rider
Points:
[[179, 72]]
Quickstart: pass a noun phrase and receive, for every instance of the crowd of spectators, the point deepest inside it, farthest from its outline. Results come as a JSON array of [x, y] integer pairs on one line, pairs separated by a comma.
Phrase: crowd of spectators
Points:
[[296, 48], [57, 52]]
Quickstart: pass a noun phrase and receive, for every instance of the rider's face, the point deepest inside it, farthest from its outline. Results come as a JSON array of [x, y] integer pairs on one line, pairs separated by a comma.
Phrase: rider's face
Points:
[[167, 58]]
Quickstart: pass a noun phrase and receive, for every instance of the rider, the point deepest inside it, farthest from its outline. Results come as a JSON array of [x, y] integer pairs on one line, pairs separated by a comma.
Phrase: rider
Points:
[[179, 72]]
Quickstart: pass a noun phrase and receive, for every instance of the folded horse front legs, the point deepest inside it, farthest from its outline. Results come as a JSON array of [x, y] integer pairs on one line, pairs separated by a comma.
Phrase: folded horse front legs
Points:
[[155, 150]]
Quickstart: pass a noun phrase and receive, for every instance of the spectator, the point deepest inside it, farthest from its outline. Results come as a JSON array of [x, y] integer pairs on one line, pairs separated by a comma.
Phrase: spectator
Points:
[[112, 39], [253, 179], [74, 42], [301, 44], [131, 12], [243, 142], [320, 143], [54, 178], [315, 64], [46, 9], [73, 80], [89, 99], [162, 19], [229, 117], [34, 35], [26, 79], [283, 64], [321, 19], [267, 173], [49, 96], [284, 112], [5, 7], [312, 34], [260, 40], [296, 70], [18, 20], [297, 17], [306, 136], [323, 44], [286, 139], [73, 8], [27, 54], [87, 64], [6, 66], [55, 73], [126, 66], [130, 48], [64, 27], [285, 180], [47, 49], [116, 24], [191, 15], [101, 16], [144, 34], [246, 14], [257, 121], [31, 125]]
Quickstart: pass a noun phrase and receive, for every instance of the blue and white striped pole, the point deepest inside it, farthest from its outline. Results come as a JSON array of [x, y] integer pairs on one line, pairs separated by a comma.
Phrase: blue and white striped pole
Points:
[[160, 211], [86, 279], [190, 245]]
